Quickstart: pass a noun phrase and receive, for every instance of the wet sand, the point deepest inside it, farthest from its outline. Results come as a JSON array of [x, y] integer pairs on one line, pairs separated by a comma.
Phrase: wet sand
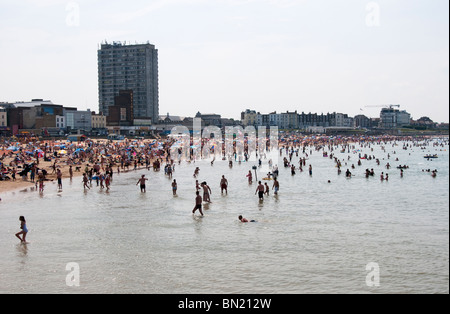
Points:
[[19, 184]]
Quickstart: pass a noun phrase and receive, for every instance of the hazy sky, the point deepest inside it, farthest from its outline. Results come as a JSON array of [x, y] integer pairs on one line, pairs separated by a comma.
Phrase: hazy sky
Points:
[[225, 56]]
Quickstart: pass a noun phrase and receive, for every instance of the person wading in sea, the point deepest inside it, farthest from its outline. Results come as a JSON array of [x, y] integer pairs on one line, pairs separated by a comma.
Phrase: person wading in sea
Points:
[[141, 181], [198, 203], [224, 185], [260, 191]]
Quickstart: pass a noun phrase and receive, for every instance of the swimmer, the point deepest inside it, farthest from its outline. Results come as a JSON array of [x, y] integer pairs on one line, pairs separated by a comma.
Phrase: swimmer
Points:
[[196, 171], [242, 219]]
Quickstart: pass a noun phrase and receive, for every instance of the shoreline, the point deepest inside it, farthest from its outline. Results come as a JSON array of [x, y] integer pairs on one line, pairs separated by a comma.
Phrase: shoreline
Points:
[[19, 184], [12, 186], [62, 162]]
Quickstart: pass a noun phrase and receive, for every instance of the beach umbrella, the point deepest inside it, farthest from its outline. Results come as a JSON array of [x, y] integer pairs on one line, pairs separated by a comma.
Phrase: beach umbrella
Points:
[[62, 152], [40, 153], [13, 148]]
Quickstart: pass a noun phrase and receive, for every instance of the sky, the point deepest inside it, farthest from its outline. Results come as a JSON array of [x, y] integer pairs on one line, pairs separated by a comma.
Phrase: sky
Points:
[[225, 56]]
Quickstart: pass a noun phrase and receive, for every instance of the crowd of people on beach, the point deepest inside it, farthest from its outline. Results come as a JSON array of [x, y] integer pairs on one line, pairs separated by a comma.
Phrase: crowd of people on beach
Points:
[[97, 161]]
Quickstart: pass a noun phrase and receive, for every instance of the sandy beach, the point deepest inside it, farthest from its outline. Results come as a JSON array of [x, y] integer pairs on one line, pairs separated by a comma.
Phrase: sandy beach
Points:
[[19, 183], [101, 152]]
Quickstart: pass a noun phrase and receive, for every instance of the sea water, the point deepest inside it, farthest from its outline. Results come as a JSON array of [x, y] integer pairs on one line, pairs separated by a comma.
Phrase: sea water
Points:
[[358, 235]]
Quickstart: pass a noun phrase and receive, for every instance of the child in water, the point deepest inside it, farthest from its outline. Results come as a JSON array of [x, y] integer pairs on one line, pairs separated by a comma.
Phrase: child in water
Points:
[[23, 226]]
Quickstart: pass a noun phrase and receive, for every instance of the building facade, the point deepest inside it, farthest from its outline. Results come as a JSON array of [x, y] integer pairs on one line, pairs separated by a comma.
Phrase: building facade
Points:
[[403, 118], [4, 129], [98, 121], [81, 121], [210, 119], [394, 118], [122, 113], [129, 67], [249, 117], [361, 121], [3, 117]]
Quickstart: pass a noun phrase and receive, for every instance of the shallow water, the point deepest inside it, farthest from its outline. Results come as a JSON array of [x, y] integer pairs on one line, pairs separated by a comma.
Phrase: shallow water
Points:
[[314, 237]]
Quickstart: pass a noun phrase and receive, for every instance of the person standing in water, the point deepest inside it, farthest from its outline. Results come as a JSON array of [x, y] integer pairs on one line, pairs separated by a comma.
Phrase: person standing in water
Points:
[[250, 177], [41, 181], [107, 180], [59, 177], [276, 186], [198, 203], [85, 181], [260, 191], [174, 187], [224, 185], [23, 226], [197, 185], [141, 181], [206, 192], [267, 188]]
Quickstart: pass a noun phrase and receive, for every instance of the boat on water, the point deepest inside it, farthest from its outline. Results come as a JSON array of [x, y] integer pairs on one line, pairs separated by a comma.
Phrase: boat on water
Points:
[[430, 156]]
